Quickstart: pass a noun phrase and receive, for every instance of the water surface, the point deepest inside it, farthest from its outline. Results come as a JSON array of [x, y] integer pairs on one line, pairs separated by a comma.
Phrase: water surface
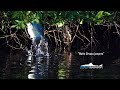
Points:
[[63, 65]]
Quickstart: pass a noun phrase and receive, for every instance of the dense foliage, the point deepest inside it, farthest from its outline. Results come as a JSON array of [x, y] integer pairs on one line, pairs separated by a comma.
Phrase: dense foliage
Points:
[[18, 20]]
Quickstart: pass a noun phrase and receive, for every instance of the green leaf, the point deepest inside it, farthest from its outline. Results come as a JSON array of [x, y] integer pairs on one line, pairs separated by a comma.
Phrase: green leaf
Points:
[[23, 26], [17, 21], [99, 22], [107, 13], [81, 22], [28, 12], [60, 24], [99, 14], [3, 27], [13, 26], [36, 20]]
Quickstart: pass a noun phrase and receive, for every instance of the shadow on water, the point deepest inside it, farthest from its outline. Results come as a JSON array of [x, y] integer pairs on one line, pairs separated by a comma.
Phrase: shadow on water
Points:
[[63, 65]]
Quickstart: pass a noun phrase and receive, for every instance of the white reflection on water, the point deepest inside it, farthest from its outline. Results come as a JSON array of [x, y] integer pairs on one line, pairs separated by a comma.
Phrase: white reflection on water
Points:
[[39, 67], [38, 62]]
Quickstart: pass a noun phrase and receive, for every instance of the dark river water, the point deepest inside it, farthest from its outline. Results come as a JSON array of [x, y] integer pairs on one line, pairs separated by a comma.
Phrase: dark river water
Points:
[[65, 65]]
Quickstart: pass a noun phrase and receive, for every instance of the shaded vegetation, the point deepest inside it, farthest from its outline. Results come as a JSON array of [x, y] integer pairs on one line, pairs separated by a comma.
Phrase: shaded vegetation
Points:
[[61, 27]]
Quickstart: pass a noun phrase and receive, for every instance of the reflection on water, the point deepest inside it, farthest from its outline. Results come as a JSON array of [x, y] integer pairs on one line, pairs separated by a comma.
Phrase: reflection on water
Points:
[[39, 67], [64, 65]]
